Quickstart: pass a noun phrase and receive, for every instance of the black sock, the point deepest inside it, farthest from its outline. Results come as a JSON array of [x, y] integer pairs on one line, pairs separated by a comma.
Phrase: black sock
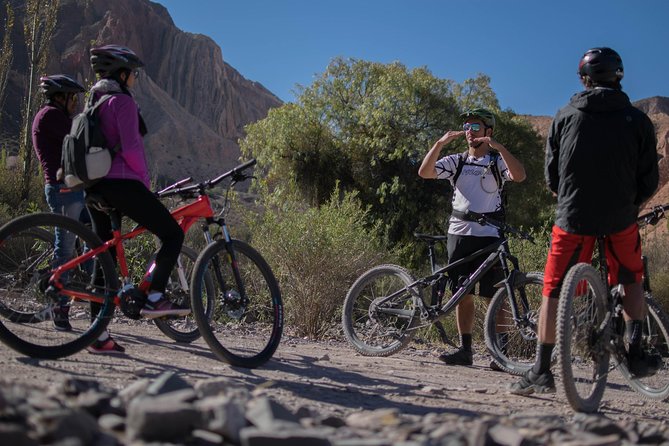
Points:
[[543, 363], [633, 334], [466, 340]]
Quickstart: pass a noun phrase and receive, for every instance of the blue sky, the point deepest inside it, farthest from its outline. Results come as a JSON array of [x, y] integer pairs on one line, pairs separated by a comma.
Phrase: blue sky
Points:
[[529, 48]]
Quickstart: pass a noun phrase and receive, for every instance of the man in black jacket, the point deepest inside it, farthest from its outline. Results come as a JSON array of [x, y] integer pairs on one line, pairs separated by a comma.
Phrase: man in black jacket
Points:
[[601, 164]]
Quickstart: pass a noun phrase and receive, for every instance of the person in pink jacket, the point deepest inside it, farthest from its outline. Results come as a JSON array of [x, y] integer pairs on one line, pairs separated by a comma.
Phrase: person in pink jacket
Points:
[[126, 187]]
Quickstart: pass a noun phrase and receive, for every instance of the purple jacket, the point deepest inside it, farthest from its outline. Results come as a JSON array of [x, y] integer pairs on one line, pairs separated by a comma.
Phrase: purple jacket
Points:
[[50, 126], [119, 118]]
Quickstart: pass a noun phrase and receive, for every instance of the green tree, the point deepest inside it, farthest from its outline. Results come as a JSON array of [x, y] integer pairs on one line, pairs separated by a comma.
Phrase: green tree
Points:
[[38, 26], [368, 125], [7, 53]]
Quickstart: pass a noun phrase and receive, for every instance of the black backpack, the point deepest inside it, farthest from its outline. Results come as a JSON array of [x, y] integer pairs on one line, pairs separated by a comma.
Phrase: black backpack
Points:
[[86, 159], [494, 156]]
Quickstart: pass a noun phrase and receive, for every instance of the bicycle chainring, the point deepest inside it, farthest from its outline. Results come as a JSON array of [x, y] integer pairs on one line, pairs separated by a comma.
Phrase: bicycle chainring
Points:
[[132, 300]]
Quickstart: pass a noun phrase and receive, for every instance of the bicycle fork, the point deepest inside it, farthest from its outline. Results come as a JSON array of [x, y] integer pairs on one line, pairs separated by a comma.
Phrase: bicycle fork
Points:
[[234, 300]]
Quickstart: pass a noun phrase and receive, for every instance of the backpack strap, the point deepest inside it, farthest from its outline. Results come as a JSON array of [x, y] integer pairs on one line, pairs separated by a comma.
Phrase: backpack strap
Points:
[[494, 169], [93, 108], [462, 159]]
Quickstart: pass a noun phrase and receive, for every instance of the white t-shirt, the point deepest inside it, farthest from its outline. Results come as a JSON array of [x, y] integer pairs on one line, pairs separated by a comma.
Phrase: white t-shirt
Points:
[[476, 191]]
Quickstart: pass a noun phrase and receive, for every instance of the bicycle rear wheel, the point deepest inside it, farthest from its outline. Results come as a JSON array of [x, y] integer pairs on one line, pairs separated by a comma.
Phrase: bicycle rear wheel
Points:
[[512, 343], [27, 303], [246, 324], [184, 329], [582, 342], [377, 328], [655, 342]]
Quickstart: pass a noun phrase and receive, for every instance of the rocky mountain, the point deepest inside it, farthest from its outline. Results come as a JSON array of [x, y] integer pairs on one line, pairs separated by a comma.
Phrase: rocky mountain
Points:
[[195, 104], [657, 108]]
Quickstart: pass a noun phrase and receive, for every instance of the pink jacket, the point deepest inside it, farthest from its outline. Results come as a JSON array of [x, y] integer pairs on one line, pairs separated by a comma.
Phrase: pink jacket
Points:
[[119, 118]]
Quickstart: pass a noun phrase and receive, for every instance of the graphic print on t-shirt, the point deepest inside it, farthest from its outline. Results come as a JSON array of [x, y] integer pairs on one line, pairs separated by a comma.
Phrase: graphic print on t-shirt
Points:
[[476, 190]]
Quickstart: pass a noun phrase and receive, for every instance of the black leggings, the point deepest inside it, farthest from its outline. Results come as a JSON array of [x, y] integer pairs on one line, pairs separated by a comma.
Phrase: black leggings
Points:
[[134, 200]]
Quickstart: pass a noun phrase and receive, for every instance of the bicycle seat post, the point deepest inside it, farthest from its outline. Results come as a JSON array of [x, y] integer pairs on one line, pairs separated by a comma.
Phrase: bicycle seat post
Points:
[[601, 256], [431, 255]]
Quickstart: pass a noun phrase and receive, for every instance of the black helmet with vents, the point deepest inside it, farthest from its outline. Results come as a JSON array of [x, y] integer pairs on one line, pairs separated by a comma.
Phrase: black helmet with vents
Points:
[[601, 65], [59, 83]]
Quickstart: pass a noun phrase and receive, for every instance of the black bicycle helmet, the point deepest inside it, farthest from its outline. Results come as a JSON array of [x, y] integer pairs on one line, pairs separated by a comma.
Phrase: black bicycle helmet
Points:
[[59, 83], [484, 115], [601, 65], [108, 59]]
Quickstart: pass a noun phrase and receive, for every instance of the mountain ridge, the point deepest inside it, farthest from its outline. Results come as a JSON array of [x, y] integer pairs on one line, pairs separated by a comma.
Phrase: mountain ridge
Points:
[[194, 103]]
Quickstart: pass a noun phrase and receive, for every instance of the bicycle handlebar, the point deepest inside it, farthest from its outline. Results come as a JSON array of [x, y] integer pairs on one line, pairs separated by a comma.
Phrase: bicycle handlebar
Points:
[[485, 220], [654, 216], [237, 174], [172, 186]]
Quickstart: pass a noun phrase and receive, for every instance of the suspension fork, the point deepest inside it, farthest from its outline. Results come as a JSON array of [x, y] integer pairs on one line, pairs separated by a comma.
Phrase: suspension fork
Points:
[[510, 280], [646, 276], [232, 258]]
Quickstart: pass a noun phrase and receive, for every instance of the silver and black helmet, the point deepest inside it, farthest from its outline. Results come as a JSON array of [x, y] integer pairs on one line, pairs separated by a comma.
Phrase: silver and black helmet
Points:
[[108, 59]]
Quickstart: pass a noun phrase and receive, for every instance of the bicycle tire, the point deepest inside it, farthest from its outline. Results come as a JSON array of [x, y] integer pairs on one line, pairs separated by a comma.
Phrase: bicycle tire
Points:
[[370, 331], [31, 235], [583, 351], [241, 333], [23, 284], [655, 340], [512, 344], [184, 329]]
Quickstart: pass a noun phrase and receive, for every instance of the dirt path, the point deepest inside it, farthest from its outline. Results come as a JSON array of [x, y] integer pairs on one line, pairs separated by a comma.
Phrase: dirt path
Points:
[[326, 377]]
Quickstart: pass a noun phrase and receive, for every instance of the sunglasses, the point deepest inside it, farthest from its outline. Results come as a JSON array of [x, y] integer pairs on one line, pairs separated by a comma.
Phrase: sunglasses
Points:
[[475, 127], [136, 73]]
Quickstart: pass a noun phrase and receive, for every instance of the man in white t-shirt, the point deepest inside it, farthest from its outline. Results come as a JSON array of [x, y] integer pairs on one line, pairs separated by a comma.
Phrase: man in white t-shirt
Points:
[[477, 186]]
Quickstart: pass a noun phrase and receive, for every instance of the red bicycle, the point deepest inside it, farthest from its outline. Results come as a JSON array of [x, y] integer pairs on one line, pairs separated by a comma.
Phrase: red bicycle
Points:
[[234, 297]]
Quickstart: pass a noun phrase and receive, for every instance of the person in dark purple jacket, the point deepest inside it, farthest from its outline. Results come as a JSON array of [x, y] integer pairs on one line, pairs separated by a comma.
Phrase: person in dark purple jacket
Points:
[[126, 187], [52, 122]]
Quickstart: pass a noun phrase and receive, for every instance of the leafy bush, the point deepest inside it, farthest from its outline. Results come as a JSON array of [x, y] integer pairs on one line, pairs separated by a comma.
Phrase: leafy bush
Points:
[[316, 253], [656, 249], [11, 204]]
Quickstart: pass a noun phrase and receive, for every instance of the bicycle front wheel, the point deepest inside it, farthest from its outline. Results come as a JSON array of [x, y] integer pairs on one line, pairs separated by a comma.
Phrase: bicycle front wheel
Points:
[[184, 329], [655, 342], [374, 325], [582, 342], [34, 320], [246, 324], [512, 342]]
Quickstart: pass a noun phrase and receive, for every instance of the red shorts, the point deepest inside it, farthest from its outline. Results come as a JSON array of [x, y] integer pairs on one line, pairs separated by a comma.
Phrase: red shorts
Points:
[[623, 257]]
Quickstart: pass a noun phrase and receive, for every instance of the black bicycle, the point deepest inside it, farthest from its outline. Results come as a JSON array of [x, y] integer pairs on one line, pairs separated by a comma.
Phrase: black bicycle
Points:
[[591, 332], [385, 306]]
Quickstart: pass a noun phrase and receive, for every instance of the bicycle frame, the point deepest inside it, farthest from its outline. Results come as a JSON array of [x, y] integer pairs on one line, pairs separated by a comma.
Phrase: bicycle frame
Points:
[[186, 216], [498, 252], [615, 292]]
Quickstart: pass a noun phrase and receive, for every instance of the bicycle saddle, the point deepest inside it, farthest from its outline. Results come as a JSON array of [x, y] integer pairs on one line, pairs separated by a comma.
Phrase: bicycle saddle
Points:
[[430, 238], [97, 201]]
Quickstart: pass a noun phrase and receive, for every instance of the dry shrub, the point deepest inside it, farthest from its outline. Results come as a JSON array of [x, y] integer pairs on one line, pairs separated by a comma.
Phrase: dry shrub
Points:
[[316, 254]]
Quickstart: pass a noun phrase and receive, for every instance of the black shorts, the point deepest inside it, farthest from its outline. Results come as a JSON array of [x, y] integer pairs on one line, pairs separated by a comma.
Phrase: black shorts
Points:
[[460, 246]]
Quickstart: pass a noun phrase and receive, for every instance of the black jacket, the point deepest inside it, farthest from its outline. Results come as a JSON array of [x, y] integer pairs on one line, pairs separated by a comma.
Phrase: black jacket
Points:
[[601, 160]]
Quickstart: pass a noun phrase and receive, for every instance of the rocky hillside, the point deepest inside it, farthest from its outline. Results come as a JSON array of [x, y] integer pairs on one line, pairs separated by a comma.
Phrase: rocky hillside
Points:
[[657, 108], [195, 104]]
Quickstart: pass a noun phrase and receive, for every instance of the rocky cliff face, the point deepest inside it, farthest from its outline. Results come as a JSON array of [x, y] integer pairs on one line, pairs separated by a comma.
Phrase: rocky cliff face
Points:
[[194, 103]]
